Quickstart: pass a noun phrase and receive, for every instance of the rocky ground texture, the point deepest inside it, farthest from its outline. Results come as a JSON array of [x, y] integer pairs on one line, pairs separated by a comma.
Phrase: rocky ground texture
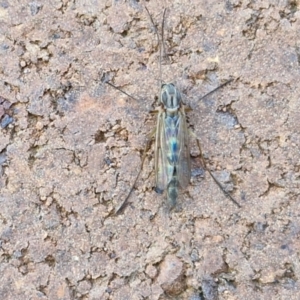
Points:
[[71, 146]]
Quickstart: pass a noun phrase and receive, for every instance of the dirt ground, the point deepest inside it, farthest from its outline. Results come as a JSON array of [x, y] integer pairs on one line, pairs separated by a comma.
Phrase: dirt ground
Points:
[[71, 146]]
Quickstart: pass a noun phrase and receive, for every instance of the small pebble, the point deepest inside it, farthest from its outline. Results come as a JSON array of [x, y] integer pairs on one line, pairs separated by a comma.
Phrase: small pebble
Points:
[[23, 63], [39, 125]]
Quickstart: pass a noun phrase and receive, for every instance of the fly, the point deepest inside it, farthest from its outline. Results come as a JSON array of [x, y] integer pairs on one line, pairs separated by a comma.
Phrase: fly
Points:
[[172, 151]]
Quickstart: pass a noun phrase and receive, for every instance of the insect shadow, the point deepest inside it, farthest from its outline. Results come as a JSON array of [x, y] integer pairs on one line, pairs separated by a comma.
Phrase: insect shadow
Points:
[[171, 135]]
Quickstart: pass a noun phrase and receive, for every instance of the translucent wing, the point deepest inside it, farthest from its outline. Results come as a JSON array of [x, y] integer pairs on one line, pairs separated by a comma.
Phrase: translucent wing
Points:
[[163, 169], [184, 163]]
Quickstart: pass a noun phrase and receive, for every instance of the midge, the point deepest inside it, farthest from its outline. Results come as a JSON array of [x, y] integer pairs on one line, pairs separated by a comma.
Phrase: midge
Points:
[[172, 151]]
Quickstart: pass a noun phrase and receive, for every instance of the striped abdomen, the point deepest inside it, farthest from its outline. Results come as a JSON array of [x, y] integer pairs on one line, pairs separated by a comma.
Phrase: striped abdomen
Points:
[[171, 133]]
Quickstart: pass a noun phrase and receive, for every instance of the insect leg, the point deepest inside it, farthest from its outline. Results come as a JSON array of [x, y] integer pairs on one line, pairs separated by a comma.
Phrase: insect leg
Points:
[[115, 87], [217, 88], [124, 203], [213, 177]]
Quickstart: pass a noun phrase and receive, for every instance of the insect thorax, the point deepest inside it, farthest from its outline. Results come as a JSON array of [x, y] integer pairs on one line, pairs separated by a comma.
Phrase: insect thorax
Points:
[[170, 98]]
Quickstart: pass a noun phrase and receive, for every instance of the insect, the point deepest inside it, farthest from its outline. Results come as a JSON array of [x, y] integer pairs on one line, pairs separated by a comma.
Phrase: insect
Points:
[[172, 151]]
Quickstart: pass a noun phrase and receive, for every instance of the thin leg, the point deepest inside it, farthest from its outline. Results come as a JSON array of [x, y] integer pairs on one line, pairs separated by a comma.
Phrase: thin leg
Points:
[[220, 86], [115, 87], [213, 177], [124, 204], [150, 136]]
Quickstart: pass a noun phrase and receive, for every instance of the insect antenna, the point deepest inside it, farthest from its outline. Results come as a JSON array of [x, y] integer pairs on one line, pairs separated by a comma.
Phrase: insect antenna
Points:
[[161, 46], [162, 51]]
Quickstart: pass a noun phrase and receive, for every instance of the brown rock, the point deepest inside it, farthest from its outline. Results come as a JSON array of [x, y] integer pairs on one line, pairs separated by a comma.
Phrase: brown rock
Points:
[[171, 276]]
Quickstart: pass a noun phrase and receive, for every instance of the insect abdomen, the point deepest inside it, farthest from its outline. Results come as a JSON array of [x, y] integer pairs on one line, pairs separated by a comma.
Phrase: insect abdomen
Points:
[[172, 138], [172, 190]]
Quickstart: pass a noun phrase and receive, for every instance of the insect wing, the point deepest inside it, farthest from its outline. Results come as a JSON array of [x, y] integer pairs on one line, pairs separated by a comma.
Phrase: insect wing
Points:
[[184, 162], [163, 169]]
